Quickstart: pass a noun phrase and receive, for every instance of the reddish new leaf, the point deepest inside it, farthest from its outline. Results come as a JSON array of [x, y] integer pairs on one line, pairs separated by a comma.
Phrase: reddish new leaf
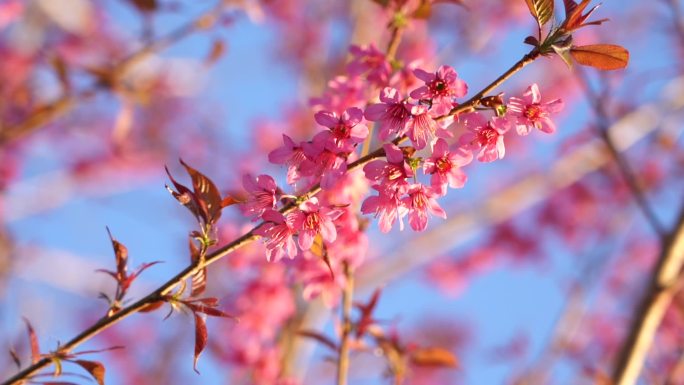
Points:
[[15, 358], [218, 49], [318, 337], [206, 193], [199, 279], [601, 56], [366, 319], [33, 342], [96, 369], [183, 195], [434, 357], [574, 19], [121, 255], [208, 310], [200, 339], [541, 10]]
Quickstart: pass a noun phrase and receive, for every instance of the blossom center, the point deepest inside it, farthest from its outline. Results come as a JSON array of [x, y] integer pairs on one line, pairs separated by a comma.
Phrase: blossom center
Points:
[[533, 112], [394, 172], [487, 135], [312, 221], [443, 164]]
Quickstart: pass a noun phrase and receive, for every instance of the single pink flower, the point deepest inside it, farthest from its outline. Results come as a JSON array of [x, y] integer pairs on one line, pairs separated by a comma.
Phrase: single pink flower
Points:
[[345, 131], [441, 88], [445, 166], [278, 231], [387, 207], [391, 174], [392, 114], [263, 194], [485, 136], [291, 155], [421, 128], [529, 112], [311, 219], [420, 201]]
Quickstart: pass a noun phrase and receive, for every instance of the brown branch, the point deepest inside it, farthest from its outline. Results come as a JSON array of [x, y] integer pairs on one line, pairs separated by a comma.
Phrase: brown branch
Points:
[[64, 104], [651, 310], [158, 294], [343, 354]]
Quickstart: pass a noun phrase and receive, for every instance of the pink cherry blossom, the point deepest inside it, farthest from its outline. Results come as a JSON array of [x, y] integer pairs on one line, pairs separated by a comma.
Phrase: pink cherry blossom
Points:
[[421, 128], [278, 231], [392, 114], [323, 162], [372, 62], [529, 112], [387, 207], [485, 136], [419, 202], [311, 220], [346, 130], [441, 88], [391, 174], [263, 194], [289, 154], [445, 166]]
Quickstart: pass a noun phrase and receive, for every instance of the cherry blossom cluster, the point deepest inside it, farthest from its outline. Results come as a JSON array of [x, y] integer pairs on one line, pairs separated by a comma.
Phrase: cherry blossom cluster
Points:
[[416, 105]]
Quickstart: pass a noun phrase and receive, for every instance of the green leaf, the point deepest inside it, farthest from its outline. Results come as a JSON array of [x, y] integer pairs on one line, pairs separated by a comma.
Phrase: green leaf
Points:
[[541, 10], [601, 56]]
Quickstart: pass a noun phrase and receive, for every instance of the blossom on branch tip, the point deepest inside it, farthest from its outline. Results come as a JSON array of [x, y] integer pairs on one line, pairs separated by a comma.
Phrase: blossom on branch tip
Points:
[[445, 166], [311, 219], [440, 88], [529, 112], [485, 136], [421, 128]]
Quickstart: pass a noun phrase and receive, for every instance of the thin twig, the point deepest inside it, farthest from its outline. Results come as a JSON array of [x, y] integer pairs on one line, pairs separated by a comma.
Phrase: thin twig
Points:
[[343, 354], [621, 161]]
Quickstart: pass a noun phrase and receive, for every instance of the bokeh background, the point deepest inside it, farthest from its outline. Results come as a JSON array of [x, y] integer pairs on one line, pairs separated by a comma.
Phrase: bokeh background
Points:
[[535, 272]]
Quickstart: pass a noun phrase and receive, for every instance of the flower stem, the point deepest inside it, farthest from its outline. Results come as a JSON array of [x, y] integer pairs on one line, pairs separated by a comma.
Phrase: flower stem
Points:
[[343, 356]]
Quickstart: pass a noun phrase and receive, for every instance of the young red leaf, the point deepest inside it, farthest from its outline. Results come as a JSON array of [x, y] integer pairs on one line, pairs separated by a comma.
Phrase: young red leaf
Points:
[[183, 195], [434, 357], [210, 311], [366, 319], [200, 339], [121, 255], [574, 19], [33, 342], [218, 49], [541, 10], [206, 193], [96, 369], [601, 56], [318, 337]]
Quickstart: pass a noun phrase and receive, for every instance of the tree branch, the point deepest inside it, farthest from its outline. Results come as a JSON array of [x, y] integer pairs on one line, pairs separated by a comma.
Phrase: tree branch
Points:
[[249, 237]]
